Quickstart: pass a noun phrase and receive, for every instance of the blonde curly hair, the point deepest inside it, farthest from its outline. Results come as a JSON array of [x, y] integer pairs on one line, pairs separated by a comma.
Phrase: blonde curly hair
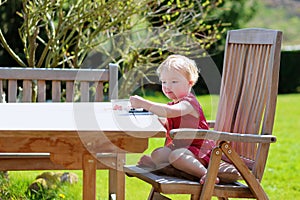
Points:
[[182, 64]]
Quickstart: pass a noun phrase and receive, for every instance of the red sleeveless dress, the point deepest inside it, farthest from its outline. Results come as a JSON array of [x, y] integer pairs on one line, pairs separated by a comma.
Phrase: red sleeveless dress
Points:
[[199, 147]]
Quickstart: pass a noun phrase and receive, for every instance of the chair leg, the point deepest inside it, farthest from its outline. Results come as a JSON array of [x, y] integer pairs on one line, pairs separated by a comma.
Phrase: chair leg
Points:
[[153, 195], [212, 172], [194, 197], [250, 179]]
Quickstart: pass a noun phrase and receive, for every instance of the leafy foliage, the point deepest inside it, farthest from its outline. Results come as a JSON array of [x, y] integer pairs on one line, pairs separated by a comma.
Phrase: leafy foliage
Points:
[[135, 34]]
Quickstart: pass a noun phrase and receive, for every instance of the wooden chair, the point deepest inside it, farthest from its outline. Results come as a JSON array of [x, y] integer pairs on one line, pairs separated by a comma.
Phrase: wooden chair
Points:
[[244, 121], [69, 85]]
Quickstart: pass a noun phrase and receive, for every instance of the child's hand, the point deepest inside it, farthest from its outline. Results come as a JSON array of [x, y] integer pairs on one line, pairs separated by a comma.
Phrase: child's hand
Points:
[[137, 101]]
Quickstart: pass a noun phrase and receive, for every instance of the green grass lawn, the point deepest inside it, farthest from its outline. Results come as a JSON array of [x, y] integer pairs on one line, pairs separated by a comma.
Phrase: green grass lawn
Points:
[[279, 181]]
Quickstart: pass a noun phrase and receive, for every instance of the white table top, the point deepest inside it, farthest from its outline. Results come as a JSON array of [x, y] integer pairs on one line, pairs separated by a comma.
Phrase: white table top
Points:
[[82, 117]]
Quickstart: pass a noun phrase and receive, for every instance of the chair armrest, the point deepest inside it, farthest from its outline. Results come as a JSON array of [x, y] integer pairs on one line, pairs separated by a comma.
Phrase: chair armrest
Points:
[[188, 133]]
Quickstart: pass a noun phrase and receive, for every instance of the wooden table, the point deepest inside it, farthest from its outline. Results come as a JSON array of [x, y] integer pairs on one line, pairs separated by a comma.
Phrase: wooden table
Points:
[[74, 133]]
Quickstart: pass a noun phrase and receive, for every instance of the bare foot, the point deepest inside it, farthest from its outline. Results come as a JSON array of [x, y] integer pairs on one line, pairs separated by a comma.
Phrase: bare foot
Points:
[[202, 180], [146, 161]]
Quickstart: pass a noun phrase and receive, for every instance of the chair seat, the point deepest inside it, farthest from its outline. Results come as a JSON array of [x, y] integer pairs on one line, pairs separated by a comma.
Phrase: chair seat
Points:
[[174, 185]]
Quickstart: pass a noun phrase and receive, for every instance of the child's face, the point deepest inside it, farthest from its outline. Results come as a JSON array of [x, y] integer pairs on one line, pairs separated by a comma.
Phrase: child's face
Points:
[[174, 84]]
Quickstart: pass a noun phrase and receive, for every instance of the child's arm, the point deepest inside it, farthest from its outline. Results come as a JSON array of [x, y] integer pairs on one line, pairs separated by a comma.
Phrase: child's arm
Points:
[[163, 110]]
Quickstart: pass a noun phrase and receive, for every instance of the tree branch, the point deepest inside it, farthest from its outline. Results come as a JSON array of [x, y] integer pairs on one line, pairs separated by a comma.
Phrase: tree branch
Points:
[[10, 51]]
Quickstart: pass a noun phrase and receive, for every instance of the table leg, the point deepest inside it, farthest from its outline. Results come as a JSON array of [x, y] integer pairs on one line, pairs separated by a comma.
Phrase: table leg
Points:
[[117, 179], [89, 177]]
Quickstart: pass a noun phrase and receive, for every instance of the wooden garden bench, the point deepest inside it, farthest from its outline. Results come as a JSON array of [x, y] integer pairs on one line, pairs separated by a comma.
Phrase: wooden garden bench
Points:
[[61, 85]]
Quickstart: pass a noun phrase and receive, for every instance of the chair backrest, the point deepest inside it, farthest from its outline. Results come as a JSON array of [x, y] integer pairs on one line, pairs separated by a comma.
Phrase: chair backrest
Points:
[[69, 85], [249, 89]]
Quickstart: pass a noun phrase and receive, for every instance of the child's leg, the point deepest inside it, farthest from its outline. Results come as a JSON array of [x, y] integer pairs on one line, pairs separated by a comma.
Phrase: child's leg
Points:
[[146, 161], [160, 156], [183, 159]]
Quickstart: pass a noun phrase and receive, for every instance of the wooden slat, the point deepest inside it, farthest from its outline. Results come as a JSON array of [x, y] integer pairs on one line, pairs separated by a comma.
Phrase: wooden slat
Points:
[[249, 115], [247, 110], [84, 91], [57, 84], [242, 107], [27, 161], [259, 98], [230, 94], [113, 77], [273, 74], [161, 182], [174, 185], [2, 94], [60, 75], [70, 91], [42, 161], [260, 88], [269, 114], [188, 133], [27, 91], [41, 90], [12, 88], [99, 92], [56, 91], [54, 74], [252, 36]]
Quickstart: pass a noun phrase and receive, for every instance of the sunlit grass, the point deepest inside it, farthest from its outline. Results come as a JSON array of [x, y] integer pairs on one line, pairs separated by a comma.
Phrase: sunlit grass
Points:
[[281, 176]]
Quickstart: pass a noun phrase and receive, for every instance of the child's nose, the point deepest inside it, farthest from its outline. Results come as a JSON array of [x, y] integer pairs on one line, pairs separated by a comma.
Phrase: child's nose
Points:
[[168, 86]]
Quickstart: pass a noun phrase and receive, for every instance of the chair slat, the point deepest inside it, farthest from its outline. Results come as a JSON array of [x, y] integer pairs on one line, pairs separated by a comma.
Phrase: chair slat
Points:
[[243, 106], [251, 36], [245, 51], [269, 115], [240, 101], [260, 88], [223, 107], [259, 96]]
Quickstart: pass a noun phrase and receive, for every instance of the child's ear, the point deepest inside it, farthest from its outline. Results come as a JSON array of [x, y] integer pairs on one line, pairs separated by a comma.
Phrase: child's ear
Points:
[[191, 83]]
